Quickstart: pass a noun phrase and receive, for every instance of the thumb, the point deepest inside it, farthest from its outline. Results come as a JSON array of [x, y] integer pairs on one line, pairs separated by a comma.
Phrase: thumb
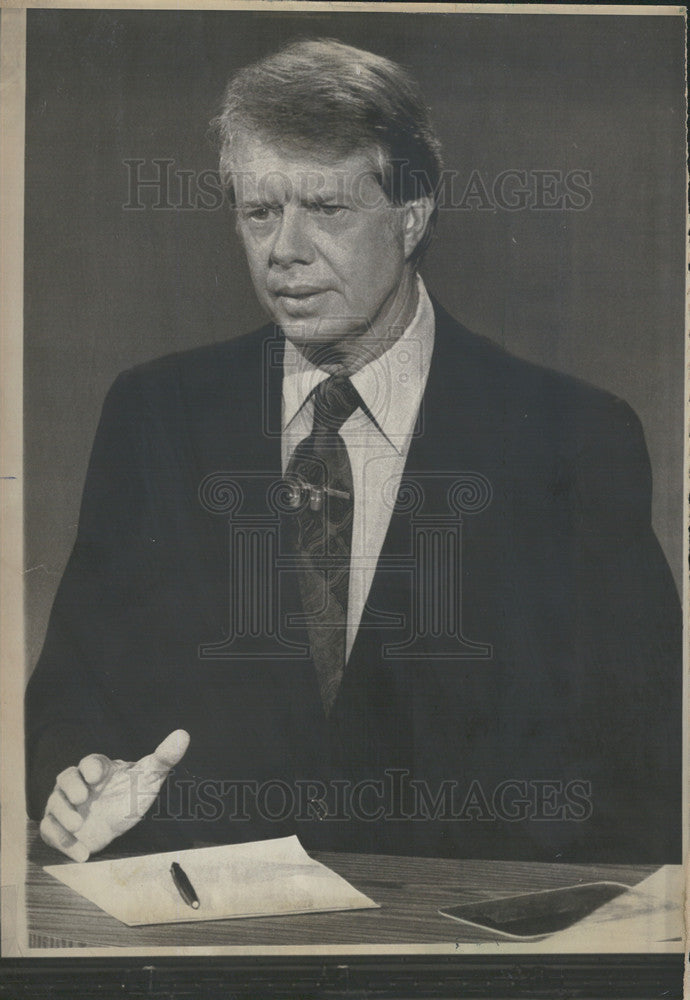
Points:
[[170, 751], [143, 780]]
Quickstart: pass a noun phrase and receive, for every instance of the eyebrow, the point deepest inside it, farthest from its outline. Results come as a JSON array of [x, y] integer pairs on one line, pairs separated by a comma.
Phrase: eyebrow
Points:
[[324, 196], [318, 197], [258, 203]]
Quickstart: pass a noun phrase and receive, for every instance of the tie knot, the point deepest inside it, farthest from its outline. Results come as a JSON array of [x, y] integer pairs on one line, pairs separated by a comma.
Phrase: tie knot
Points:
[[335, 400]]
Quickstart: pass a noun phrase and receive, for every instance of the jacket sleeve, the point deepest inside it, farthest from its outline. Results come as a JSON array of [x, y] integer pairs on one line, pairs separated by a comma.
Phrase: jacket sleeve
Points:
[[73, 706], [628, 620]]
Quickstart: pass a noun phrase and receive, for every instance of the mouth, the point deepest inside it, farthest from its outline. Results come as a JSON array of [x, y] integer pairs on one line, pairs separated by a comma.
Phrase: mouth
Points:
[[297, 293]]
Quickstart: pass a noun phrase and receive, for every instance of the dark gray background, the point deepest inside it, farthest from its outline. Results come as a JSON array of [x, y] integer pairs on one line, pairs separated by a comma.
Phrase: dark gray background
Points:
[[598, 293]]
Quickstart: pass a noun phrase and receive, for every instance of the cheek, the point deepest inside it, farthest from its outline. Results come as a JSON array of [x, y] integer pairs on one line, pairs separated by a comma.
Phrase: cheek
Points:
[[385, 240], [379, 257], [251, 243], [255, 258]]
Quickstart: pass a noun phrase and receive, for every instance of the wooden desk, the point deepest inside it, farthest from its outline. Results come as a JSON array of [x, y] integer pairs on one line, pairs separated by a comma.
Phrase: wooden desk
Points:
[[409, 890]]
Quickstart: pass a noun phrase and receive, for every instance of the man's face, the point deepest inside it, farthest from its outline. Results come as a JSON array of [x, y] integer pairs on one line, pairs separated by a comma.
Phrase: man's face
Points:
[[326, 249]]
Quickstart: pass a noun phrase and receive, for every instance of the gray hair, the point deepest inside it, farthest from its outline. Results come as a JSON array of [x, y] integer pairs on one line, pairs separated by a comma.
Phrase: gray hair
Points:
[[324, 97]]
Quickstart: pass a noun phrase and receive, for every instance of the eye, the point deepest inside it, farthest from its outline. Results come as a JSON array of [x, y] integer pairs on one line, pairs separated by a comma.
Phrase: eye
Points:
[[327, 208], [261, 213]]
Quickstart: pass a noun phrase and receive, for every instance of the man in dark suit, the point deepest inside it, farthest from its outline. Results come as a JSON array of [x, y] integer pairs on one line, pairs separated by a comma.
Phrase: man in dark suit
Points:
[[367, 576]]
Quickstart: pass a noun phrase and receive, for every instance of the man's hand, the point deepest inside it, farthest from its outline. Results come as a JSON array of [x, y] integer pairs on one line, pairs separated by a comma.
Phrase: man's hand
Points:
[[101, 798]]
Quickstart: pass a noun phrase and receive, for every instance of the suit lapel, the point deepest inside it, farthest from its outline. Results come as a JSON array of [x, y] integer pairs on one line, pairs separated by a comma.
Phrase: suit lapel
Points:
[[230, 454], [431, 459]]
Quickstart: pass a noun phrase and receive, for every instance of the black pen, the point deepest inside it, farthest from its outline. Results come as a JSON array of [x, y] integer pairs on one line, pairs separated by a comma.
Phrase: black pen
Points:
[[184, 886]]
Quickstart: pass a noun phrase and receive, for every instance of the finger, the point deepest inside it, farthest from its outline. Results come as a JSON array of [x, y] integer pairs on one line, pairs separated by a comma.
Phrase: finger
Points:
[[60, 809], [95, 768], [73, 786], [171, 750], [55, 836]]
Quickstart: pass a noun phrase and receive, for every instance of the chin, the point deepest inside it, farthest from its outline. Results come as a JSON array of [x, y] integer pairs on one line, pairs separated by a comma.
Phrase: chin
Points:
[[313, 331]]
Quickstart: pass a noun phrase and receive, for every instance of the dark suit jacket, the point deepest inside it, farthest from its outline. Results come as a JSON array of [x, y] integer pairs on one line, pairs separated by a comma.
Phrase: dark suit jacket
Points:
[[539, 710]]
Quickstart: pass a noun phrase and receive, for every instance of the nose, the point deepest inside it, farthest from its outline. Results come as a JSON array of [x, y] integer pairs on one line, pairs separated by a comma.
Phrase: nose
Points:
[[292, 244]]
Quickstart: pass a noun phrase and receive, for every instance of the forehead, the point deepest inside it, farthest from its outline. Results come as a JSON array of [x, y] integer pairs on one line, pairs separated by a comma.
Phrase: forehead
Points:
[[266, 169]]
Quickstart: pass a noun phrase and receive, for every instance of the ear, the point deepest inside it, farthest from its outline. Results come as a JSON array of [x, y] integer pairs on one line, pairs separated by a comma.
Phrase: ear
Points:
[[416, 218]]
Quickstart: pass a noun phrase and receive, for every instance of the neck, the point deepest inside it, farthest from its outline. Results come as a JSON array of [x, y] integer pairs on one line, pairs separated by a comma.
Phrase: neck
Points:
[[359, 349]]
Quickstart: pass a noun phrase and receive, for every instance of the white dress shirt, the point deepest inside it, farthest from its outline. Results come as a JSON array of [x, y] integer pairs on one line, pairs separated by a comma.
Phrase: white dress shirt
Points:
[[392, 387]]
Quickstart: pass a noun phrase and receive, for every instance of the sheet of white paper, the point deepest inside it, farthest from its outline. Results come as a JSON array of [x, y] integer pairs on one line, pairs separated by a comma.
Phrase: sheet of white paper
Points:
[[259, 879]]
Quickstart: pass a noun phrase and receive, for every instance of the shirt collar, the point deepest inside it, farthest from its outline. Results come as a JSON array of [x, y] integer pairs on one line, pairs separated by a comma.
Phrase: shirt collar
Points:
[[391, 386]]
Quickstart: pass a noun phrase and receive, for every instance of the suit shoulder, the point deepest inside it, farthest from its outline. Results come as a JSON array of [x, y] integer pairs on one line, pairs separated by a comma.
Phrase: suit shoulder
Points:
[[526, 387], [200, 370]]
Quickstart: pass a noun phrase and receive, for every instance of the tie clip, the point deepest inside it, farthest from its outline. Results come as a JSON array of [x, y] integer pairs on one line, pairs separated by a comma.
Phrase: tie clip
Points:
[[316, 494]]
